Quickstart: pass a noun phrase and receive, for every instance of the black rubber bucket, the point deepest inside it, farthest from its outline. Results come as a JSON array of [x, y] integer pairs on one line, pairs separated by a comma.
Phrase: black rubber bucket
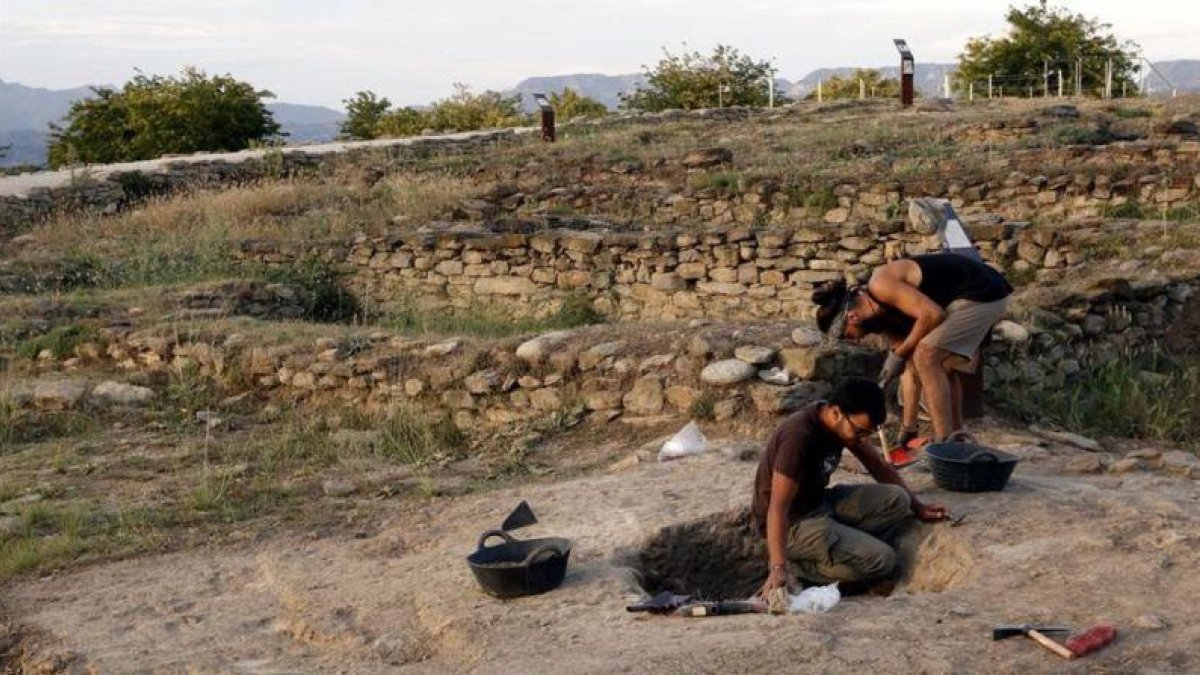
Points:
[[517, 568], [965, 467]]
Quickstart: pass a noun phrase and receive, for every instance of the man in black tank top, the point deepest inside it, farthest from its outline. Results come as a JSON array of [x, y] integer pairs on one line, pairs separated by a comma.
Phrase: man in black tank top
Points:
[[935, 310]]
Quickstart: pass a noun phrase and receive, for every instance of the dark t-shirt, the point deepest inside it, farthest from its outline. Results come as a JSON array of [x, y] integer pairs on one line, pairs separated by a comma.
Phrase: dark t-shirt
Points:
[[946, 277], [803, 450]]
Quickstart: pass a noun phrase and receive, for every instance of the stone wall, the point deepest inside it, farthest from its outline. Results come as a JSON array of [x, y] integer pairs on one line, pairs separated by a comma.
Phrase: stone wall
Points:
[[648, 374], [721, 272], [709, 185], [1112, 318]]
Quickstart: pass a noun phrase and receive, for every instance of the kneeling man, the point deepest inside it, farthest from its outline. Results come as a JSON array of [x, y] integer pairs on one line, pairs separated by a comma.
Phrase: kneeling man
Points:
[[841, 533]]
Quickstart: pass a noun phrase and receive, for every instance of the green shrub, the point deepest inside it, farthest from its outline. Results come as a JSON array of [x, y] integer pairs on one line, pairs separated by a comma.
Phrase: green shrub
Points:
[[729, 182], [153, 115], [1151, 397], [570, 104], [1131, 113], [692, 80], [490, 322], [411, 436], [61, 341], [704, 407], [137, 186], [326, 299], [1081, 134], [1130, 209]]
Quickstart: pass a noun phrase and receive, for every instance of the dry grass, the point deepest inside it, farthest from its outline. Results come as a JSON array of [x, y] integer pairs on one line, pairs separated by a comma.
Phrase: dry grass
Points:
[[103, 493], [190, 237]]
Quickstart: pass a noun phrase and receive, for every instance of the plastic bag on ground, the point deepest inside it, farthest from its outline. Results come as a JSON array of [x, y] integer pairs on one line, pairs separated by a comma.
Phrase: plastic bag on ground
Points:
[[815, 600], [688, 441]]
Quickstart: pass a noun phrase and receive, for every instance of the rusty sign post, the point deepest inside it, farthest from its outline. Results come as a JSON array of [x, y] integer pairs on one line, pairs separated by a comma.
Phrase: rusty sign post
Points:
[[548, 134], [907, 70]]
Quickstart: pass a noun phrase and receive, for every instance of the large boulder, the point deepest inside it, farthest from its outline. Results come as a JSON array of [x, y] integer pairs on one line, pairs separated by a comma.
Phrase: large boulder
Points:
[[755, 355], [707, 157], [728, 372], [536, 350], [122, 393], [58, 394], [646, 397]]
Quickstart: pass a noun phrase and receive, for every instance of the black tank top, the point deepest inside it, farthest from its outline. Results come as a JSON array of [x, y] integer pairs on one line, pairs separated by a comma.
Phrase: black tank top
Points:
[[946, 277]]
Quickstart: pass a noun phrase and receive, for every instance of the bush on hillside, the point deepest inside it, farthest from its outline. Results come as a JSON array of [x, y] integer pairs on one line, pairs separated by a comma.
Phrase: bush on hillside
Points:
[[692, 80], [155, 115]]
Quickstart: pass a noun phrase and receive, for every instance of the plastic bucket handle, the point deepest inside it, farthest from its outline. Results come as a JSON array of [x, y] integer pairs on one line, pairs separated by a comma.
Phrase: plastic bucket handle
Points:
[[494, 533], [540, 551], [983, 454]]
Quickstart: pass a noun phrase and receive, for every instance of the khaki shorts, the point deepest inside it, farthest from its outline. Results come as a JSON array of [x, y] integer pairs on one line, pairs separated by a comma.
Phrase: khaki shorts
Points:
[[967, 323]]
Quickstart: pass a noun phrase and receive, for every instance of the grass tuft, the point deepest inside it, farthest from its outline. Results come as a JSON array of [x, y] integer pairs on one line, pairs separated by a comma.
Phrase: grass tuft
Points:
[[488, 322], [1153, 397], [61, 341]]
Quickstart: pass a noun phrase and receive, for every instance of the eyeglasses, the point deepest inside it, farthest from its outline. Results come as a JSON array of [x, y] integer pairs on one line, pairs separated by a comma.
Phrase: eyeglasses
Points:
[[861, 432]]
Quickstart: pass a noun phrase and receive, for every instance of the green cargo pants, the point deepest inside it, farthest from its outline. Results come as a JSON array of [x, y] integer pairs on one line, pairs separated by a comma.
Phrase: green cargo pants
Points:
[[846, 538]]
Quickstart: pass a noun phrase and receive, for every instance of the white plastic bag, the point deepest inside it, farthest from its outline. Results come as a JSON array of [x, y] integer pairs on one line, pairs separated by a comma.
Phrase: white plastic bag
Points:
[[818, 599], [688, 441]]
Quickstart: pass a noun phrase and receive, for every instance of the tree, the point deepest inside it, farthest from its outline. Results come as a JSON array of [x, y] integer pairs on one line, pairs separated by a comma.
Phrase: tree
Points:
[[1044, 39], [692, 80], [363, 113], [465, 110], [155, 115], [872, 82], [571, 104], [462, 111], [401, 122]]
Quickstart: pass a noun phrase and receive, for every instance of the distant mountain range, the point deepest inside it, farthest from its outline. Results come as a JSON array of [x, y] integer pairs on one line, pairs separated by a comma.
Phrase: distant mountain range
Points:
[[26, 112]]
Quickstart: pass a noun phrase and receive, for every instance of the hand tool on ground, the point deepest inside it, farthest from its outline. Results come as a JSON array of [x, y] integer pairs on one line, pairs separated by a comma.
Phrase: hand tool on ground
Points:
[[1092, 639], [1037, 634], [701, 608], [660, 604]]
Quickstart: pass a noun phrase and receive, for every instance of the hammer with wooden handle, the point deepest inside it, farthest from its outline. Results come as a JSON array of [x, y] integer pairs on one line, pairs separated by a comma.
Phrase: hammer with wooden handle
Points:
[[1037, 634]]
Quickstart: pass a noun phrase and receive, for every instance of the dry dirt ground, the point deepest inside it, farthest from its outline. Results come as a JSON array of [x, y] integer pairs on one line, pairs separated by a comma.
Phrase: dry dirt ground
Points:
[[1055, 547]]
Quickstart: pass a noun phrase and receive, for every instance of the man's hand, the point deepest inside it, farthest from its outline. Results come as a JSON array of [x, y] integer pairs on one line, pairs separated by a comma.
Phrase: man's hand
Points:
[[780, 577], [931, 512], [892, 368]]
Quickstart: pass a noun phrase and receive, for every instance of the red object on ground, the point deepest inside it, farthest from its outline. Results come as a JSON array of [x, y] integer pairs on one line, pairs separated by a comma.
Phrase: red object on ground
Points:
[[1091, 639], [901, 457]]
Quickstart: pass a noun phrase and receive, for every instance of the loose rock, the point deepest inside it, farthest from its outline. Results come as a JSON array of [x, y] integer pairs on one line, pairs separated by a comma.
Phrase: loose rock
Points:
[[335, 487], [58, 394], [807, 337], [1067, 438], [537, 349], [121, 393], [758, 356], [646, 397], [728, 372], [1010, 331]]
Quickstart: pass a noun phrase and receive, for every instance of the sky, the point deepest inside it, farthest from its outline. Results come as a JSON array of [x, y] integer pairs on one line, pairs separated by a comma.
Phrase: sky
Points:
[[322, 51]]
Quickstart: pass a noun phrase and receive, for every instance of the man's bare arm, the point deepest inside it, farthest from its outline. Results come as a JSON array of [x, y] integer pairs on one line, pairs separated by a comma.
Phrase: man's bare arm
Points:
[[783, 492], [883, 472], [888, 285]]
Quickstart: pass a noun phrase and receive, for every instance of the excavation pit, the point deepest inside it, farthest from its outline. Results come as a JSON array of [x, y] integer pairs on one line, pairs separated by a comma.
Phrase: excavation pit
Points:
[[722, 557]]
